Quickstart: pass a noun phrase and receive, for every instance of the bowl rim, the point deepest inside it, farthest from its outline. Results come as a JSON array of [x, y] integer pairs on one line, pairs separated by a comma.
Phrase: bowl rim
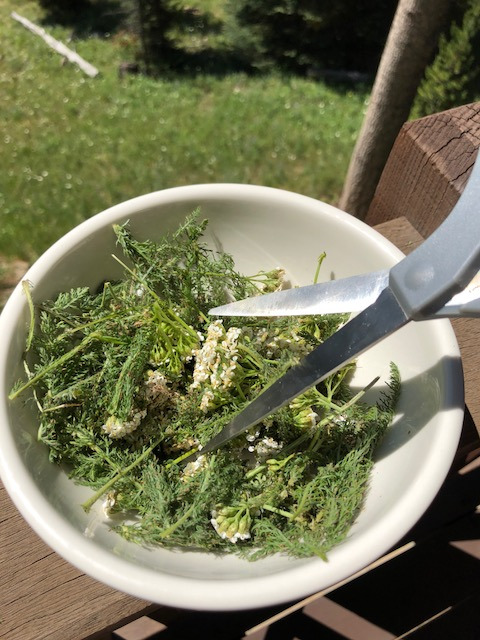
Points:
[[205, 594]]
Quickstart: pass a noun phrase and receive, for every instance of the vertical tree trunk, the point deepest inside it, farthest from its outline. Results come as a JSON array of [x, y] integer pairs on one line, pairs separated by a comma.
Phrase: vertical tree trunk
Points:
[[410, 44]]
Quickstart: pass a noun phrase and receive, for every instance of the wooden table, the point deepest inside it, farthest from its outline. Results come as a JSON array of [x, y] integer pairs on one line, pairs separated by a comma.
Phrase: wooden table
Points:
[[427, 587]]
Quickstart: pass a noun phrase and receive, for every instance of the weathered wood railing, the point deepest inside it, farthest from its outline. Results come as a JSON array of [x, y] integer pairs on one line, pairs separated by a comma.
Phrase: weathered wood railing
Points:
[[423, 178]]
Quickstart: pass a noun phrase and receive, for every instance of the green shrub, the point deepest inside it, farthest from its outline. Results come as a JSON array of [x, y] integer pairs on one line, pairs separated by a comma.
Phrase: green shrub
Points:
[[173, 34], [453, 77]]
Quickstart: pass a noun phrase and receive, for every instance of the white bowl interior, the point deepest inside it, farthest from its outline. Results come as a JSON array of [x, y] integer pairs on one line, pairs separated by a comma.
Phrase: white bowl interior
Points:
[[262, 228]]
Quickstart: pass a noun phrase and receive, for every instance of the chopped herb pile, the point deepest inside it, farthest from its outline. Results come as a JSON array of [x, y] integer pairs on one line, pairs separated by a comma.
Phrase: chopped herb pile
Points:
[[130, 378]]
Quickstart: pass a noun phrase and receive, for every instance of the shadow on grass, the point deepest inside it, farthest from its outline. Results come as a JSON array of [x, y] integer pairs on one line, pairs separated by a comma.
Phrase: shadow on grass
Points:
[[100, 18], [208, 61], [84, 17], [218, 61], [170, 57]]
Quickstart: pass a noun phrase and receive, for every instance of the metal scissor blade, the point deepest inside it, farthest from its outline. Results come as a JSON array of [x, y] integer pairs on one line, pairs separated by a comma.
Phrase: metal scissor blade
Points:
[[335, 296], [347, 295], [374, 323]]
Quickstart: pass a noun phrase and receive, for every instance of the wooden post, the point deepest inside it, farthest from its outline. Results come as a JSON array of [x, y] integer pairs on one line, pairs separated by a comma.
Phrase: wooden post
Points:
[[427, 169], [425, 173]]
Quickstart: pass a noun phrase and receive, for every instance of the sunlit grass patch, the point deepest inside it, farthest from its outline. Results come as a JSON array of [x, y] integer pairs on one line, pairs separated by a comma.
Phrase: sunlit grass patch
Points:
[[73, 145]]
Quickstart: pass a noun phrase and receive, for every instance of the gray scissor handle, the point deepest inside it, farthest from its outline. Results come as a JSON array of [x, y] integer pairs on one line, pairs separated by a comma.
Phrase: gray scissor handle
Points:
[[468, 310], [446, 262], [465, 304]]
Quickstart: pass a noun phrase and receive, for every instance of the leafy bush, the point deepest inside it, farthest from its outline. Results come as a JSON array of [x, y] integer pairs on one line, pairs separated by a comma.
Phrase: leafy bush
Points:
[[452, 78]]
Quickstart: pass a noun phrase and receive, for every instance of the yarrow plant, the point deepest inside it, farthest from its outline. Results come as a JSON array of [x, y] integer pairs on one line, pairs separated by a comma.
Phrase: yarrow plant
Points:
[[129, 379]]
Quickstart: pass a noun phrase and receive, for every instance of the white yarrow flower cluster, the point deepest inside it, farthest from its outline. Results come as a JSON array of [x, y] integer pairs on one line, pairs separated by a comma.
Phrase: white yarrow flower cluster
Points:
[[266, 446], [115, 428], [305, 418], [216, 362], [193, 467], [276, 281], [263, 447], [312, 416], [304, 407], [273, 344], [156, 389], [207, 400], [232, 523]]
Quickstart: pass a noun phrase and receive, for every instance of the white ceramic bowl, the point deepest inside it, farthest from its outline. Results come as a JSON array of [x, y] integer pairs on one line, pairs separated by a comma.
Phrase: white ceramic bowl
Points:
[[262, 228]]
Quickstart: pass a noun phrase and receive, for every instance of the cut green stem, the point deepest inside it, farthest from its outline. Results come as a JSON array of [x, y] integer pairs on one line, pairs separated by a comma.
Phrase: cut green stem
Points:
[[321, 258], [31, 327], [316, 440], [54, 365], [87, 505], [280, 512]]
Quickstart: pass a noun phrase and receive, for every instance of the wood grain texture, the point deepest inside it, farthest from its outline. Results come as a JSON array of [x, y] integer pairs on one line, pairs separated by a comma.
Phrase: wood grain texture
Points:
[[42, 597], [467, 330], [425, 174], [400, 233], [427, 169]]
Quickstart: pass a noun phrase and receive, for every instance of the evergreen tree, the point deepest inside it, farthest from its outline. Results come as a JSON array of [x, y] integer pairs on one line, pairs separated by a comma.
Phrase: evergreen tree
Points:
[[453, 77], [155, 19], [300, 34]]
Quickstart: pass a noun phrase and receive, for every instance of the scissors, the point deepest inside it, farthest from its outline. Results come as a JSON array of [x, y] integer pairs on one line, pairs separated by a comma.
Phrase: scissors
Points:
[[435, 281]]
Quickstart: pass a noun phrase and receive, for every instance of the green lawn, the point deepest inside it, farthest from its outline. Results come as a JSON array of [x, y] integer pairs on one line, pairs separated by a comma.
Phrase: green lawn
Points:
[[72, 145]]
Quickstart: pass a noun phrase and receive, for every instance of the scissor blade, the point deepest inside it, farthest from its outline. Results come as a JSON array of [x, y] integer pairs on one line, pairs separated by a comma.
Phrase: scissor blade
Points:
[[335, 296], [374, 323], [346, 295]]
